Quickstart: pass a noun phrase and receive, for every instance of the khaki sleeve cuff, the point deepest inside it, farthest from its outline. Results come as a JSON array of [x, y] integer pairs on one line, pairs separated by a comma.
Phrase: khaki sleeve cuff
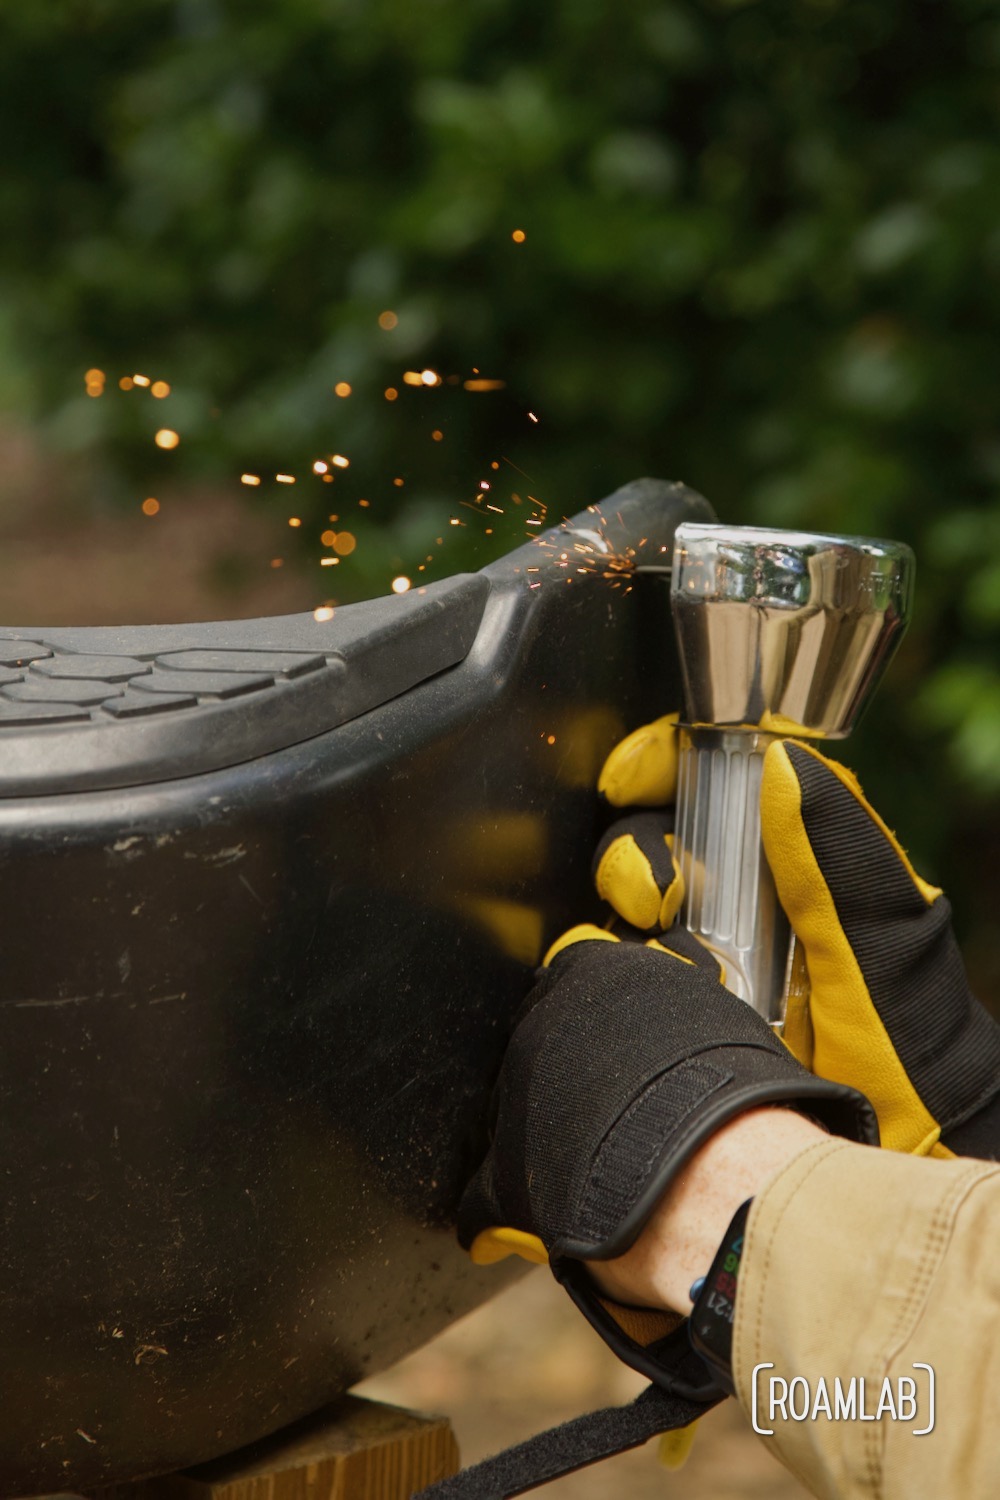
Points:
[[859, 1263]]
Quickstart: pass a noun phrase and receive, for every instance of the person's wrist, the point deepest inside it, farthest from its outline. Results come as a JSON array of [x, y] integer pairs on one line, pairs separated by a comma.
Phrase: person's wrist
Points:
[[680, 1240]]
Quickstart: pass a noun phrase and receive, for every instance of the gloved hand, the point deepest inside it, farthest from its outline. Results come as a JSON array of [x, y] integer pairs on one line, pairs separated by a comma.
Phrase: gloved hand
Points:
[[634, 866], [887, 1008], [625, 1059]]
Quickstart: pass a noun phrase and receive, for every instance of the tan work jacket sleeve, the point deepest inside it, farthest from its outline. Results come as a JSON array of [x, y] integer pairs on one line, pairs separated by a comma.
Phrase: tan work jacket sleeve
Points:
[[862, 1267]]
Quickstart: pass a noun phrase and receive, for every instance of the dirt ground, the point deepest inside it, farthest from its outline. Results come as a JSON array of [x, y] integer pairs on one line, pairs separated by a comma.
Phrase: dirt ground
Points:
[[526, 1360]]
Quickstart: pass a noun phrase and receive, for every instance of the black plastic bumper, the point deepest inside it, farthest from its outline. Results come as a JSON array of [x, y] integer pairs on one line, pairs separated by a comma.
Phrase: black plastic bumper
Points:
[[262, 944]]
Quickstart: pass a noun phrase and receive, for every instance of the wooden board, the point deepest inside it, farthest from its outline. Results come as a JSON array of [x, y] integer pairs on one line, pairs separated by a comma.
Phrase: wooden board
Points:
[[352, 1450]]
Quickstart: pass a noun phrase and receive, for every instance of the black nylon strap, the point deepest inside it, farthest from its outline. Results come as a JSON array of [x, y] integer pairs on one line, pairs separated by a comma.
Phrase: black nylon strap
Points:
[[574, 1445]]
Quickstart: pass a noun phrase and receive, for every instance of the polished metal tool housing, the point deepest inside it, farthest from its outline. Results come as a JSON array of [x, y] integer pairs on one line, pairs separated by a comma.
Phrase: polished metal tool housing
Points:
[[779, 633]]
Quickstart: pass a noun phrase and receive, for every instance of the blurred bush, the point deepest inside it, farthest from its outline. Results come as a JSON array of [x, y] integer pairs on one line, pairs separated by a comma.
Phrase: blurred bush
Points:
[[760, 253]]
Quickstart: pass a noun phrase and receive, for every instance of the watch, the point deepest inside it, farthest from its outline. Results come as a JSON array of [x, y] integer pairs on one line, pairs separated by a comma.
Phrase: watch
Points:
[[710, 1326]]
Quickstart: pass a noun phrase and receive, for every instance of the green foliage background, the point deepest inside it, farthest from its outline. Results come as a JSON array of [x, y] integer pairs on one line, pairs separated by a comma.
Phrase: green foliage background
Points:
[[762, 254]]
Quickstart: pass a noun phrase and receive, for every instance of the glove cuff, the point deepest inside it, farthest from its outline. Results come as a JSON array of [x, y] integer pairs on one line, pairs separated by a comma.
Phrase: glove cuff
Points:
[[675, 1115], [654, 1342]]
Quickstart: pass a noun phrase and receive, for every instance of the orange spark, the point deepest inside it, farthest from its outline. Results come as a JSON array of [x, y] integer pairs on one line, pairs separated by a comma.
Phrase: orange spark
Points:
[[387, 320], [159, 389], [150, 507], [249, 479], [400, 584], [167, 438], [484, 385], [342, 388]]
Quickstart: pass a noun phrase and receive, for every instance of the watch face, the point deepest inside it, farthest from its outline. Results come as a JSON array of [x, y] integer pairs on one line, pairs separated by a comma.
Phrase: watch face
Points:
[[710, 1328]]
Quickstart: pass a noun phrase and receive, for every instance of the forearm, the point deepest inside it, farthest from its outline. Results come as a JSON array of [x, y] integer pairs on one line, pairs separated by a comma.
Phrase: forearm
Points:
[[680, 1240], [860, 1267]]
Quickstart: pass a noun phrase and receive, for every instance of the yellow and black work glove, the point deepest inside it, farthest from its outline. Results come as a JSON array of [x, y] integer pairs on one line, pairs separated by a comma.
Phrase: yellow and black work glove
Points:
[[635, 867], [626, 1057], [624, 1060], [888, 1008]]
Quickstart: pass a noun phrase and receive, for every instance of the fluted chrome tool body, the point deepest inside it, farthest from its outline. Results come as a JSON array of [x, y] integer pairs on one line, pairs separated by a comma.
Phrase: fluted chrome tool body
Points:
[[780, 633]]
